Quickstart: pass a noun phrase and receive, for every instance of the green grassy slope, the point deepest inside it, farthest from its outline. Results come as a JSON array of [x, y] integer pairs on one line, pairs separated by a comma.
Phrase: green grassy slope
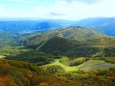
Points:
[[105, 41], [95, 64], [89, 65], [1, 56], [66, 68]]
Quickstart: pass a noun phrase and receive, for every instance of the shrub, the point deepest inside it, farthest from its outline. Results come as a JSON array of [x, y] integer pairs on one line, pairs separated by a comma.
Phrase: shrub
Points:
[[55, 69], [110, 60], [64, 60]]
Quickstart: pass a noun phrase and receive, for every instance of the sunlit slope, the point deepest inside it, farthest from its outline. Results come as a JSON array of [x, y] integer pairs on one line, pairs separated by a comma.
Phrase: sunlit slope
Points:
[[88, 65]]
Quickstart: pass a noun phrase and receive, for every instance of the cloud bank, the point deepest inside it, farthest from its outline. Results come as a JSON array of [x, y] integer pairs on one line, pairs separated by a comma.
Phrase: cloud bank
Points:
[[21, 1], [61, 9], [83, 1]]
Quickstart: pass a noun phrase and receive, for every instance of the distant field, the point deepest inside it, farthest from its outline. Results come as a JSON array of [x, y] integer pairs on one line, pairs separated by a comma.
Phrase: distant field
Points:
[[89, 65]]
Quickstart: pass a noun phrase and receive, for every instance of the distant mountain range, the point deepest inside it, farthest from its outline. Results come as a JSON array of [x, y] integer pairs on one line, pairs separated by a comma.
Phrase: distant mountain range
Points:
[[107, 25], [31, 26]]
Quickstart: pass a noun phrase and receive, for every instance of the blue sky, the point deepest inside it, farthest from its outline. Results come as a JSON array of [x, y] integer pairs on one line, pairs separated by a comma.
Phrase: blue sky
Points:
[[57, 9]]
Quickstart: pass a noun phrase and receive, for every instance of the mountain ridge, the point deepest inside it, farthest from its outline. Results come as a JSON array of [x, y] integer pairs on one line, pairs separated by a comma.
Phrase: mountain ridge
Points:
[[107, 25], [72, 33]]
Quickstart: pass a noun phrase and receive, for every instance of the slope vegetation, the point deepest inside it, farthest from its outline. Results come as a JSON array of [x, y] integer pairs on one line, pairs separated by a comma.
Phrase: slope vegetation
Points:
[[72, 33], [91, 47], [6, 38]]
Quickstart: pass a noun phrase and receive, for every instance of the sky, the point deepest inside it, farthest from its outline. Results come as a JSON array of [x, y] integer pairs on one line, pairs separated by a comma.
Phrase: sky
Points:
[[57, 9]]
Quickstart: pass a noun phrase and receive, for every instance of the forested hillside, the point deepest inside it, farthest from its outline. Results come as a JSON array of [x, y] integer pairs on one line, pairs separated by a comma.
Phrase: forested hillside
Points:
[[72, 33], [98, 47], [7, 39]]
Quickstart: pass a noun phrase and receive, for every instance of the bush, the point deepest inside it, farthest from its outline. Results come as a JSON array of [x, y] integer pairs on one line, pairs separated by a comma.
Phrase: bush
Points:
[[64, 60], [110, 60], [55, 69]]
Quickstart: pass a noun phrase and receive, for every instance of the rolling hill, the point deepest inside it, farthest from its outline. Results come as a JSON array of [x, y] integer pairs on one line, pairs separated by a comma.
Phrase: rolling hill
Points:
[[97, 47], [72, 33], [73, 42], [57, 45]]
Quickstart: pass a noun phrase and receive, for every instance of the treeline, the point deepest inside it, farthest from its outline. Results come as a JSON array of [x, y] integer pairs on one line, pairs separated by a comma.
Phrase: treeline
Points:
[[102, 77], [33, 56], [110, 60], [12, 50], [17, 73]]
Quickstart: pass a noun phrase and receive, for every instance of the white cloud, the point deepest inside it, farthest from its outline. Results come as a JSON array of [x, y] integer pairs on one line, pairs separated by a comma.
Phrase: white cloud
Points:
[[1, 10], [83, 1], [63, 10], [78, 10], [21, 1]]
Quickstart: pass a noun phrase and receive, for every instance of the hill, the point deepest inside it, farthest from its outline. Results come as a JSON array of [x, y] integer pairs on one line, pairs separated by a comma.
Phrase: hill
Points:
[[72, 33], [87, 48], [107, 25], [57, 45]]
